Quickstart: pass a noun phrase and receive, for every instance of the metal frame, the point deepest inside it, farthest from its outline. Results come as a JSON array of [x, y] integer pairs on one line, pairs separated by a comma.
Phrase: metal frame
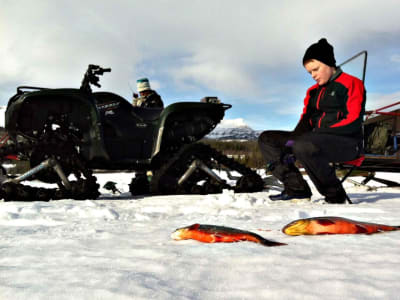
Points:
[[379, 112], [365, 53]]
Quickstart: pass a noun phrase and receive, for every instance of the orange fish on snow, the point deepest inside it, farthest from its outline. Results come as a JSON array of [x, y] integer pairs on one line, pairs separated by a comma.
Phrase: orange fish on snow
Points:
[[219, 234], [333, 225]]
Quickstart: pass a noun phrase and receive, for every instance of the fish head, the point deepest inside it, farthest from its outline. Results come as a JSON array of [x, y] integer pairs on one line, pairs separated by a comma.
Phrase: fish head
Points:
[[178, 234], [184, 232], [297, 227]]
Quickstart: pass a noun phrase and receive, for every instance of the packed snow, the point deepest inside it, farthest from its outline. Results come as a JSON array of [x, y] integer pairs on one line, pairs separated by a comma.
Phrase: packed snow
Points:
[[120, 247]]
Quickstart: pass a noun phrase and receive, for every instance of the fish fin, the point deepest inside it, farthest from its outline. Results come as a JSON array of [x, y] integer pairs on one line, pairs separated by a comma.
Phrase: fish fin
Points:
[[361, 229], [325, 222], [194, 226]]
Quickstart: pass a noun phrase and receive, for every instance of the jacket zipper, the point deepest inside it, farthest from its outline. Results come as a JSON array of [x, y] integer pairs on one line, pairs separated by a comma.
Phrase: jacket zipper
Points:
[[319, 122], [320, 96]]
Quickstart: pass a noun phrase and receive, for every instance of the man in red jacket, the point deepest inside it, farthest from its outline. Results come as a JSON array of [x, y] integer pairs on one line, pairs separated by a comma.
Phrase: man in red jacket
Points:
[[329, 130]]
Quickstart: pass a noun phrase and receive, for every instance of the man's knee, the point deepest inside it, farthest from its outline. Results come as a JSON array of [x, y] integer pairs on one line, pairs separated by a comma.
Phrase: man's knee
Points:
[[304, 147], [264, 138], [272, 137]]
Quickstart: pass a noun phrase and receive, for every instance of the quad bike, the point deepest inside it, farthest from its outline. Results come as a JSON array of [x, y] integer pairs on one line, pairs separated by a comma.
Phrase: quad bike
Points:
[[63, 132]]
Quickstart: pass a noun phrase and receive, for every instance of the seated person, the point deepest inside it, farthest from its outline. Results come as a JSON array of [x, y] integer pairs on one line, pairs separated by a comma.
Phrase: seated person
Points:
[[329, 130], [148, 97]]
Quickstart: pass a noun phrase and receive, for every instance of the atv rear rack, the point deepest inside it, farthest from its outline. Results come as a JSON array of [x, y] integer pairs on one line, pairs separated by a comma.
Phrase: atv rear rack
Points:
[[29, 88]]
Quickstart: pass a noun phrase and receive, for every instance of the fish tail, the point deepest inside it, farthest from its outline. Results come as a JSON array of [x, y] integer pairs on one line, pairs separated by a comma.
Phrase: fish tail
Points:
[[260, 240], [390, 228], [269, 243]]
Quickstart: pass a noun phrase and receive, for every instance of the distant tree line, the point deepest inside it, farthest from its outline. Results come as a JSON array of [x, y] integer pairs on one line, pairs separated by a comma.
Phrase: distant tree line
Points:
[[245, 152]]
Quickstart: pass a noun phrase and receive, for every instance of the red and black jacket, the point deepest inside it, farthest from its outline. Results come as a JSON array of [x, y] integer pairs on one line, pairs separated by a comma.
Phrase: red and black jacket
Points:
[[336, 107]]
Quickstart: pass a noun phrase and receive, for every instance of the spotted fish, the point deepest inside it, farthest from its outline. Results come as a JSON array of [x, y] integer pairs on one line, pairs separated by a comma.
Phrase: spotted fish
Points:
[[219, 234], [333, 225]]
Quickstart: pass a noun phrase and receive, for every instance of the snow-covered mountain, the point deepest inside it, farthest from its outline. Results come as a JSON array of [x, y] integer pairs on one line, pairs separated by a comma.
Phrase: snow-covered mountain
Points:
[[234, 129]]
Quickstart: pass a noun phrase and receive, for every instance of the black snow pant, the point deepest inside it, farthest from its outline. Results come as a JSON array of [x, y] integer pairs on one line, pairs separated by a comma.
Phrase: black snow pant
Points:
[[315, 152]]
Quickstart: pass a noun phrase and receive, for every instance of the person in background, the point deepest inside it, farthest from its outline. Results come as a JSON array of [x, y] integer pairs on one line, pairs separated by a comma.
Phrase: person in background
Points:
[[147, 97], [329, 130]]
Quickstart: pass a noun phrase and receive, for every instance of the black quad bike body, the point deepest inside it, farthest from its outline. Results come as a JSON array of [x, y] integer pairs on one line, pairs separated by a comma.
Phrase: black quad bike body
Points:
[[75, 131]]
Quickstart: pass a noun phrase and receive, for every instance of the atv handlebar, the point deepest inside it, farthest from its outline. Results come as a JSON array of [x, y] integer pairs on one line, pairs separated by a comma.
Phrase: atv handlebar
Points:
[[97, 70], [92, 77]]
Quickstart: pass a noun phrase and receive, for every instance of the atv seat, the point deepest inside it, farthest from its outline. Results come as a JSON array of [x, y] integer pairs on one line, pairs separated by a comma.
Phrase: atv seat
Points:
[[147, 113]]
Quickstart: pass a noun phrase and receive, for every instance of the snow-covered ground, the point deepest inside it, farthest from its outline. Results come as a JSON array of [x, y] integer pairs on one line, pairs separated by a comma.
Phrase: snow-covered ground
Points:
[[119, 247]]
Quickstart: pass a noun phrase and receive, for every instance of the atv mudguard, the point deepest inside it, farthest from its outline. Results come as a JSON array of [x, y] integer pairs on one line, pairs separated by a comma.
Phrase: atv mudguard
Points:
[[28, 112], [186, 122]]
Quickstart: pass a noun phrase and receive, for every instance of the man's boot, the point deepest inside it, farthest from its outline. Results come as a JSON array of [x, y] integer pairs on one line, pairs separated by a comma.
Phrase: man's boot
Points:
[[336, 195], [296, 188]]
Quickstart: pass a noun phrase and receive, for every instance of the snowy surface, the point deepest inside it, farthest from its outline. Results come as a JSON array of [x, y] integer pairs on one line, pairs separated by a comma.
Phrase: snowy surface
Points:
[[119, 247]]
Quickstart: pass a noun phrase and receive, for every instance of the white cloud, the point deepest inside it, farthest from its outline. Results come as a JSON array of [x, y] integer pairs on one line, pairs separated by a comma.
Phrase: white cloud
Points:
[[395, 58], [246, 50], [232, 123], [376, 101], [265, 33], [215, 75]]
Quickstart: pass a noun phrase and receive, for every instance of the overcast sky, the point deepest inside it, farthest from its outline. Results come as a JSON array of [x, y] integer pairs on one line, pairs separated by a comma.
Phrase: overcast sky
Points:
[[248, 53]]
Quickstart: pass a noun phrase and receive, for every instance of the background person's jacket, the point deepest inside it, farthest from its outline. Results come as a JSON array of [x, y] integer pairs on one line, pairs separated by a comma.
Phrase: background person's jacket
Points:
[[336, 107], [151, 100]]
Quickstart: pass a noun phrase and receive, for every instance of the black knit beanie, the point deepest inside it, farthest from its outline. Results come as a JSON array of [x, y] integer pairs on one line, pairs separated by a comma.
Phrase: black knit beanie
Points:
[[321, 51]]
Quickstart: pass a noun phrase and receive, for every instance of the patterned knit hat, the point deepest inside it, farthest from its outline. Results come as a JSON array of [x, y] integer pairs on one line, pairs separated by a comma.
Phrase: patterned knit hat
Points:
[[143, 84], [321, 51]]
